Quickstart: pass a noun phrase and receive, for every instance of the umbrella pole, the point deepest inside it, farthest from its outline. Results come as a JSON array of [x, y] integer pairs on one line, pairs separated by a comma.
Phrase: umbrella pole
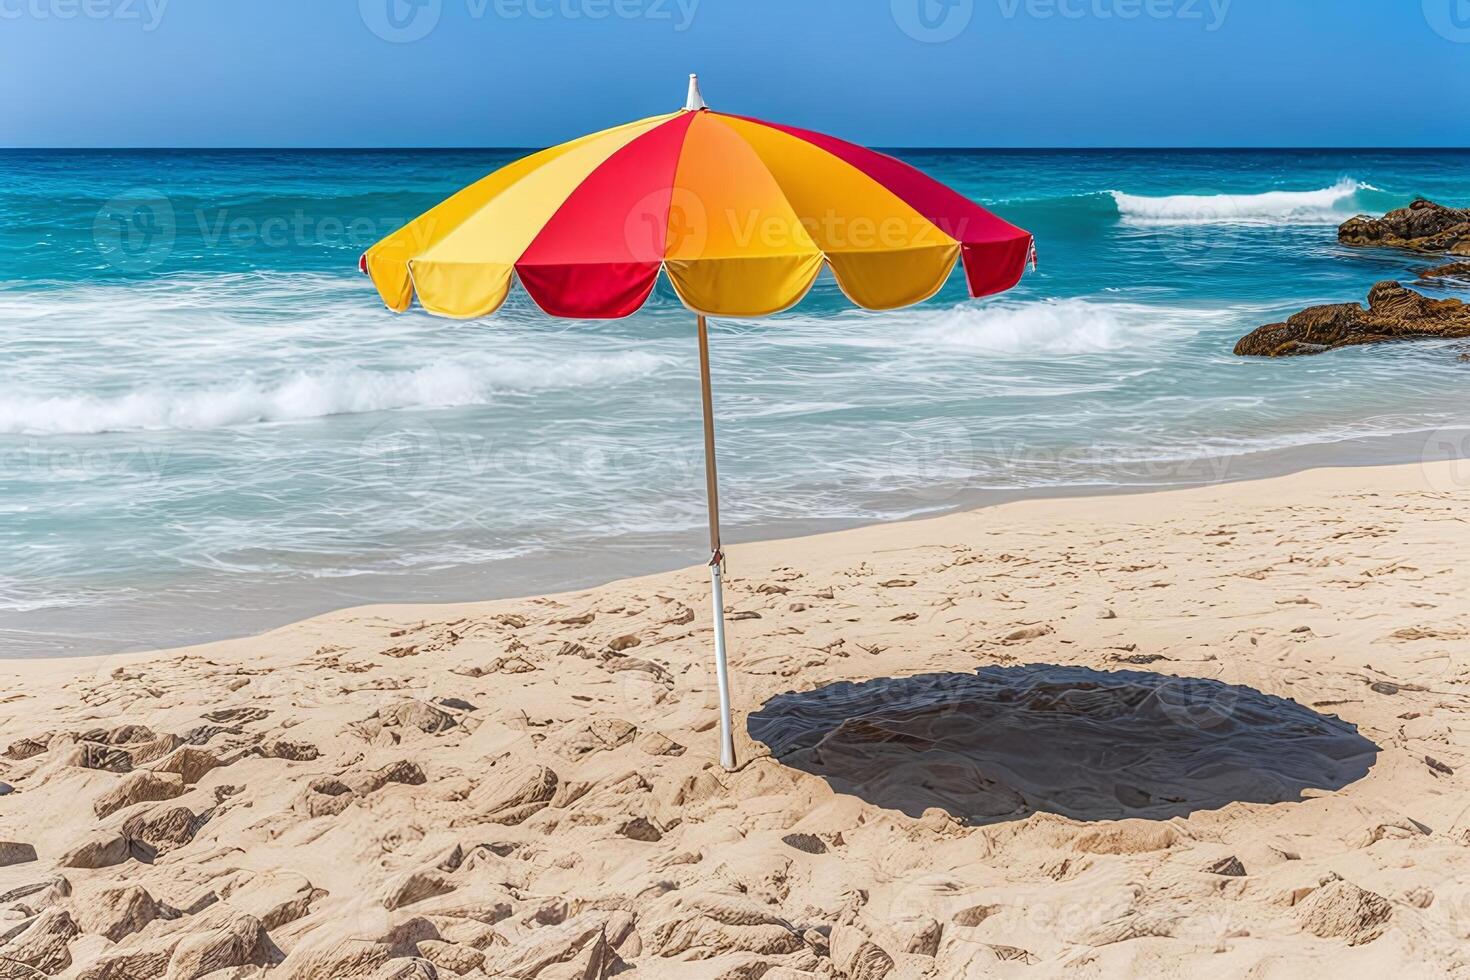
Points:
[[717, 554]]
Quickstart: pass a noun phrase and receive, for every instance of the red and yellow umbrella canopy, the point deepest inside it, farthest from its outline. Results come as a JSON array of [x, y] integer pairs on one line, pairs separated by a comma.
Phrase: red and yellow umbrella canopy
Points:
[[742, 214]]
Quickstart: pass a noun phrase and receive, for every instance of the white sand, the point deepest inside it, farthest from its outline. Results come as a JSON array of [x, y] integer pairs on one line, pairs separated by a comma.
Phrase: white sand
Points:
[[556, 815]]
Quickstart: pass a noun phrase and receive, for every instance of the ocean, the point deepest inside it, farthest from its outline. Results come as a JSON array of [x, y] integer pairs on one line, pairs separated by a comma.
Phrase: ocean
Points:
[[209, 426]]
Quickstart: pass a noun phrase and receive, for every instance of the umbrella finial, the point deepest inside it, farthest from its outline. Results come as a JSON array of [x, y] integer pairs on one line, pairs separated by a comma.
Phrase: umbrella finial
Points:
[[696, 101]]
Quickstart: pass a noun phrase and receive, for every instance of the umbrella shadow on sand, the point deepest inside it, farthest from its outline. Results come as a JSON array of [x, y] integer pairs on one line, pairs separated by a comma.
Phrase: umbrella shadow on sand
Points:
[[1005, 742]]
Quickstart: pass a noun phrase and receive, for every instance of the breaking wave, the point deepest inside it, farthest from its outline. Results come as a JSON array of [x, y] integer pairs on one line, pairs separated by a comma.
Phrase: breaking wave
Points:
[[313, 394], [1329, 204]]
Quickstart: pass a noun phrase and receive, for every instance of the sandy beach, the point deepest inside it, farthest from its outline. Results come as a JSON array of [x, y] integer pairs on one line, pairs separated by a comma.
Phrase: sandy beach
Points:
[[1219, 730]]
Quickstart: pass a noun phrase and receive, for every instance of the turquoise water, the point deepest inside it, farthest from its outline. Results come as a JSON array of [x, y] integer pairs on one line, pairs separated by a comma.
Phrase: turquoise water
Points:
[[209, 426]]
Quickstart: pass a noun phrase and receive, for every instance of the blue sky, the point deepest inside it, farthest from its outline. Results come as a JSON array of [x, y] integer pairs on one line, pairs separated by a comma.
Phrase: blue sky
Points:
[[884, 72]]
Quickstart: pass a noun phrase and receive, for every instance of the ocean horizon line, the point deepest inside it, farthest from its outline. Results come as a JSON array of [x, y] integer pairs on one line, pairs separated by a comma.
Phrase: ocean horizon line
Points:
[[906, 149]]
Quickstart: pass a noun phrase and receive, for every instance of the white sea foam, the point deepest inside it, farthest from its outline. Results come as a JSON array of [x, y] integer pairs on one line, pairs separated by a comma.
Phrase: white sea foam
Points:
[[312, 394], [1072, 326], [1329, 204]]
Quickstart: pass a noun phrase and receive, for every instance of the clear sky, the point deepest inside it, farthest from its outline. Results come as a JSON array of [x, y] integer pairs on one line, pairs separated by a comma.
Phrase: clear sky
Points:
[[884, 72]]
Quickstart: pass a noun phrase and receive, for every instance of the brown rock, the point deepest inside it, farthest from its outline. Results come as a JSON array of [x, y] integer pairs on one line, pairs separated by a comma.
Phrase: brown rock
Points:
[[449, 956], [425, 717], [857, 957], [416, 886], [1393, 313], [142, 786], [12, 852], [116, 913], [121, 735], [39, 894], [657, 743], [1132, 925], [525, 797], [337, 959], [641, 829], [404, 772], [92, 755], [240, 941], [1454, 272], [702, 926], [163, 829], [602, 735], [293, 751], [345, 952], [275, 899], [1230, 867], [154, 749], [920, 936], [1340, 909], [1421, 227], [101, 850], [147, 959], [576, 949], [187, 762], [26, 748], [806, 843], [44, 945], [325, 797], [1127, 837], [407, 968]]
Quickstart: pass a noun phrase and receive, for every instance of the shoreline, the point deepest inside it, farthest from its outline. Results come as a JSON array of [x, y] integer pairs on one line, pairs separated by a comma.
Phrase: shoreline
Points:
[[1221, 728], [634, 556]]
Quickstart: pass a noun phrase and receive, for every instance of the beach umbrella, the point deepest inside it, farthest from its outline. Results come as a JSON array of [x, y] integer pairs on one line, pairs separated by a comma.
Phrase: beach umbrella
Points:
[[741, 215]]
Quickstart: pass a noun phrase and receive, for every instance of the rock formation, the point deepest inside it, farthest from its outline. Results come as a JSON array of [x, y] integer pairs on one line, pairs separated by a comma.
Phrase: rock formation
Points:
[[1421, 227], [1393, 313]]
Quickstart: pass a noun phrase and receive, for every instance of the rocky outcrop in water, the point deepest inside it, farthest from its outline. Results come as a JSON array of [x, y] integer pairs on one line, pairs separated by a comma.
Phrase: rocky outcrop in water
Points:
[[1421, 227], [1455, 272], [1393, 313]]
